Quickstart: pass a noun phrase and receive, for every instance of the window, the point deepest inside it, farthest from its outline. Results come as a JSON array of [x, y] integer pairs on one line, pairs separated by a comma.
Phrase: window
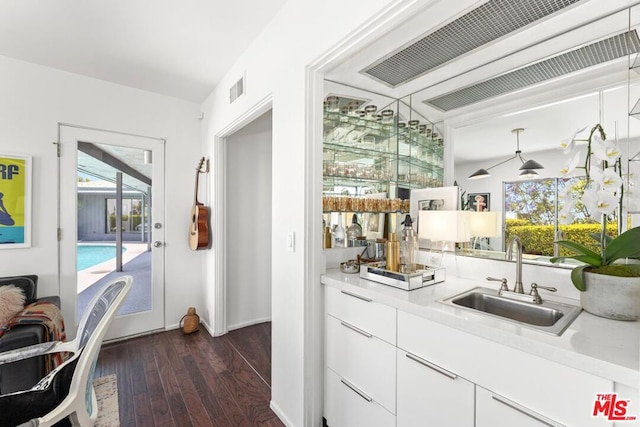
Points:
[[131, 215], [531, 212]]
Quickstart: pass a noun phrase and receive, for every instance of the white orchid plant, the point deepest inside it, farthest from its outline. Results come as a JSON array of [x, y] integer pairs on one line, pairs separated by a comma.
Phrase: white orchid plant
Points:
[[603, 190], [601, 195]]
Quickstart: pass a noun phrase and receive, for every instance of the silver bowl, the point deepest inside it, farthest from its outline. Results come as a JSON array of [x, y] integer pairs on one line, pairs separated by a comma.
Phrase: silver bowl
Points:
[[350, 267]]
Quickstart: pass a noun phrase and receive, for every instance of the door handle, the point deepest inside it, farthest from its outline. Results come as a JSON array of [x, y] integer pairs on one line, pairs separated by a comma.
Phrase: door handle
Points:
[[157, 244], [526, 411], [430, 365]]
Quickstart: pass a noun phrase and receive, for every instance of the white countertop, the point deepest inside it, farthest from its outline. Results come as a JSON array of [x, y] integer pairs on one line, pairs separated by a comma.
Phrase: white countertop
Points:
[[606, 348]]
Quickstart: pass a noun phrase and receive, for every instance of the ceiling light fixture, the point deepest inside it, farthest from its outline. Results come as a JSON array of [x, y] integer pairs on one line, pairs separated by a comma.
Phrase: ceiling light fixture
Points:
[[528, 173], [528, 167]]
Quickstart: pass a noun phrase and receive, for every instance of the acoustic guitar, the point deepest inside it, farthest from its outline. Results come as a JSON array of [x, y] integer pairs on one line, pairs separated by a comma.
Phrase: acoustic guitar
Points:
[[199, 228]]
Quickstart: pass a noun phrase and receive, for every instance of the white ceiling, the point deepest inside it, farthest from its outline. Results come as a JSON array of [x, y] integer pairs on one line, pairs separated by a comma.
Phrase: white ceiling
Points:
[[177, 48]]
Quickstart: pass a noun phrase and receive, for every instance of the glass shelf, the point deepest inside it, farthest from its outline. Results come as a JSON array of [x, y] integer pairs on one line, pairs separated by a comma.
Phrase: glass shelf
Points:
[[362, 153]]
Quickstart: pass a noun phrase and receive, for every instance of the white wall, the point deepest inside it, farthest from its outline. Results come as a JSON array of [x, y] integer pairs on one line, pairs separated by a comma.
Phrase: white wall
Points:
[[248, 224], [275, 67], [33, 100]]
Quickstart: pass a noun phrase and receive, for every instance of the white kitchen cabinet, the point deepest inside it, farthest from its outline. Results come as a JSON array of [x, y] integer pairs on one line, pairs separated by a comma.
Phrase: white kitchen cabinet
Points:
[[360, 358], [388, 367], [362, 312], [363, 359], [493, 410], [556, 391], [347, 406], [429, 395]]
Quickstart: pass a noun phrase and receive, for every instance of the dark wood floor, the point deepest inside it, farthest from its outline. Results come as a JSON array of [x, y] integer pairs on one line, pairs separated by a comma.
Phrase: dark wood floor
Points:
[[170, 379]]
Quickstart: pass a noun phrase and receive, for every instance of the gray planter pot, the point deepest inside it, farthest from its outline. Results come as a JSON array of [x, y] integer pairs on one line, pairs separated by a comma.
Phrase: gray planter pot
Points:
[[612, 297]]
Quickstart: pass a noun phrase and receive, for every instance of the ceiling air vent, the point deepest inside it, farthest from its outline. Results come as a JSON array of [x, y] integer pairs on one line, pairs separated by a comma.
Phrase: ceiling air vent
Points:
[[482, 25], [236, 90], [587, 56]]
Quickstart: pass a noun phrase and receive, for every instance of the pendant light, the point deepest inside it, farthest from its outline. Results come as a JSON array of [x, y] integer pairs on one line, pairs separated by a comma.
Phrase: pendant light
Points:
[[528, 167]]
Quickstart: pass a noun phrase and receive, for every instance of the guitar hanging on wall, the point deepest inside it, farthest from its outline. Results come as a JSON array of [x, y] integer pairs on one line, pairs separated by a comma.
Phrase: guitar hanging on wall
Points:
[[199, 228]]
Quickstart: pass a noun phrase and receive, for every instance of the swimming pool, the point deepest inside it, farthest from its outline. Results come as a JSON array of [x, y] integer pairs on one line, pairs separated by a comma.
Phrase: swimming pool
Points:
[[90, 255]]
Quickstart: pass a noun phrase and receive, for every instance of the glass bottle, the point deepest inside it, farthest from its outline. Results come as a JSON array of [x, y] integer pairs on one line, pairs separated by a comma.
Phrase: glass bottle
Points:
[[408, 247], [327, 238], [354, 230], [393, 253], [339, 237]]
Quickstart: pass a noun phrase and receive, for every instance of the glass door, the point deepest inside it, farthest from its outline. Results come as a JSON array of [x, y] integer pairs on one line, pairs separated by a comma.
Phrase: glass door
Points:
[[112, 224]]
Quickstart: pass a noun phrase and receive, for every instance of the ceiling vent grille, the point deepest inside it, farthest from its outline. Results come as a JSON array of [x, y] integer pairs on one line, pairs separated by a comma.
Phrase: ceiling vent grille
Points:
[[482, 25], [587, 56]]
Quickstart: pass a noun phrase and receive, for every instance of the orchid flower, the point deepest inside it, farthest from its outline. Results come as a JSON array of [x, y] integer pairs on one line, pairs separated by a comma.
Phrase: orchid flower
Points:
[[570, 165], [599, 202], [610, 180], [604, 150], [566, 197], [565, 216], [568, 144]]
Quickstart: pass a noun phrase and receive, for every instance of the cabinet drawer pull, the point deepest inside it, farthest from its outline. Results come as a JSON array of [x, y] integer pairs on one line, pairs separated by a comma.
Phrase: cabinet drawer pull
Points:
[[355, 389], [430, 365], [357, 296], [526, 411], [358, 330]]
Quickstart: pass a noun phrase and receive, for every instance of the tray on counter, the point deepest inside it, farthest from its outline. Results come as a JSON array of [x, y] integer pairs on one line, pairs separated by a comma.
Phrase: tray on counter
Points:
[[424, 276]]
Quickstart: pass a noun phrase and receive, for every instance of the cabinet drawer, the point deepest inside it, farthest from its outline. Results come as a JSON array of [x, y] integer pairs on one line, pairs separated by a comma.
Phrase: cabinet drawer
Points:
[[347, 406], [362, 359], [494, 410], [364, 313], [431, 396], [559, 392]]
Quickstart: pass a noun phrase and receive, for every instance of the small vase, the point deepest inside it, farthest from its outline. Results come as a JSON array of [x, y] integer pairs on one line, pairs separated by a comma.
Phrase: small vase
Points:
[[612, 297]]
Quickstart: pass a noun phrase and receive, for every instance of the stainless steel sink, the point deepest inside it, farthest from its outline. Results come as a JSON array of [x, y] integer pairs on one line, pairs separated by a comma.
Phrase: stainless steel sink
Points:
[[549, 316]]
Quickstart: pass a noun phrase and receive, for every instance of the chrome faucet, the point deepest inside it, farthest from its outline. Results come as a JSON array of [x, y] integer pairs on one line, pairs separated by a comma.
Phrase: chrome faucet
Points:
[[518, 243]]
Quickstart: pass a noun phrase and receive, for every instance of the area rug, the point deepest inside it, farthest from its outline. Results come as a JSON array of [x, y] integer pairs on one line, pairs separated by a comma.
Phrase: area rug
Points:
[[106, 389]]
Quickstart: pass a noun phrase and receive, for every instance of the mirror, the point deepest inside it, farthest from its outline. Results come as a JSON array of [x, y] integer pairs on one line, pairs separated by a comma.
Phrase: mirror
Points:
[[563, 72], [376, 150], [534, 199]]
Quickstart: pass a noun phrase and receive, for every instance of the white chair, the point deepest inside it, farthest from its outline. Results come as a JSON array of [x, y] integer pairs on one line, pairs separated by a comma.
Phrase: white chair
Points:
[[67, 391]]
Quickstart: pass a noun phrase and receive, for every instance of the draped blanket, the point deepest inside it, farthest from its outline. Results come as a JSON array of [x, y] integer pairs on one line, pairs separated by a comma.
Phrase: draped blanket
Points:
[[48, 315]]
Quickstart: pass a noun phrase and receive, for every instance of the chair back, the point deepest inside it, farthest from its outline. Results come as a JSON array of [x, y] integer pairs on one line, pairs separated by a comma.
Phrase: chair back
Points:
[[93, 326]]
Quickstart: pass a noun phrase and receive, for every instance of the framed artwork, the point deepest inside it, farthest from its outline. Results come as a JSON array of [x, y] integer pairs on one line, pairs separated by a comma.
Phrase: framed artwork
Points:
[[373, 225], [479, 202], [15, 201], [441, 198]]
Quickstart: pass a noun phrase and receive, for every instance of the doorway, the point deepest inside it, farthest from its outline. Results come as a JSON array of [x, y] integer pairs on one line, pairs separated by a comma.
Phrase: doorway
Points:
[[247, 245], [112, 223], [248, 224]]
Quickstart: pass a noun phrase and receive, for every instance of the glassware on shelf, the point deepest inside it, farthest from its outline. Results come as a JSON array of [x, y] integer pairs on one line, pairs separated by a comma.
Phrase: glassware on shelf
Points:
[[352, 107], [331, 203], [370, 111], [331, 103], [354, 230], [339, 236], [344, 111], [387, 116]]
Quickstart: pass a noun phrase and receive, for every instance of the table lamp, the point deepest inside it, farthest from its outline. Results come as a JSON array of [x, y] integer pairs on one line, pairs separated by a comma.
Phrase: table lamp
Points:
[[483, 224], [444, 226]]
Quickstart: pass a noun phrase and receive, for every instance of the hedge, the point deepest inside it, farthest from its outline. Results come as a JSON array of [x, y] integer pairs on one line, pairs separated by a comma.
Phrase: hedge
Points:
[[538, 239], [136, 219]]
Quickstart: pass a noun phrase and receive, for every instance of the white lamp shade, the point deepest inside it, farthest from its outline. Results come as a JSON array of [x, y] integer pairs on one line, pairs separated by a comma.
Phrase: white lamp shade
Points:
[[484, 224], [450, 226]]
